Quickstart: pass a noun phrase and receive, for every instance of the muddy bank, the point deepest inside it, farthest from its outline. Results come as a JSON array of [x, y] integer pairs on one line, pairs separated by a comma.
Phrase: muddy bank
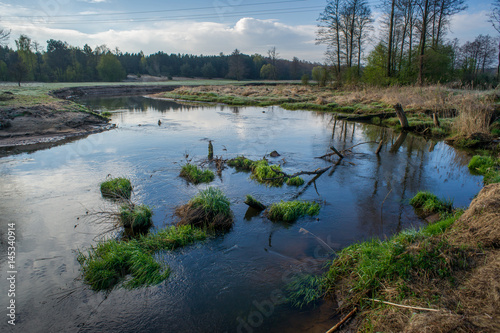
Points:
[[45, 124], [118, 90]]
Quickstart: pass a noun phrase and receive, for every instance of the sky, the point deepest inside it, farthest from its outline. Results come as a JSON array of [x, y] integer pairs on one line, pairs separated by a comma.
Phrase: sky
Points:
[[198, 27]]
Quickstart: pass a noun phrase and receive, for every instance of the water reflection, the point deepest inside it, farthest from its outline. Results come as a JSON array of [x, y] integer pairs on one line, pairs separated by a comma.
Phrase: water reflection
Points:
[[216, 282]]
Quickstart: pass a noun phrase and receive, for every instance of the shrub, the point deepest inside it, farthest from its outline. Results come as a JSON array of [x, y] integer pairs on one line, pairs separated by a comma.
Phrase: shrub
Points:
[[195, 175], [116, 188], [289, 211]]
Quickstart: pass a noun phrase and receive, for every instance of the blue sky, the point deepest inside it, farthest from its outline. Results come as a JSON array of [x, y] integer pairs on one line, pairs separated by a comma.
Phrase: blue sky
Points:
[[197, 27]]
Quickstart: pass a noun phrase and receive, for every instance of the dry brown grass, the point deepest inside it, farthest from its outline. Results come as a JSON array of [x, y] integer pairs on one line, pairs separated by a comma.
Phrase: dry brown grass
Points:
[[474, 115]]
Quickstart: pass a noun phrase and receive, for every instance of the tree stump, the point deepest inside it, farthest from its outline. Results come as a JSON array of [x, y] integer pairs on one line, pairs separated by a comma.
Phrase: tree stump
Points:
[[210, 150], [401, 116], [435, 119]]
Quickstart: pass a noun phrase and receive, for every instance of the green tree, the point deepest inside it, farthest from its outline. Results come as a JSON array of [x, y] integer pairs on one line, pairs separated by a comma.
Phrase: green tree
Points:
[[237, 66], [267, 72], [208, 70], [110, 69], [320, 75], [26, 56], [375, 70]]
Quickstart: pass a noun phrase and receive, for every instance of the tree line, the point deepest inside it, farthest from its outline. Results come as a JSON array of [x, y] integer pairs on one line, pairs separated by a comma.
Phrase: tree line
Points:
[[411, 46], [61, 62]]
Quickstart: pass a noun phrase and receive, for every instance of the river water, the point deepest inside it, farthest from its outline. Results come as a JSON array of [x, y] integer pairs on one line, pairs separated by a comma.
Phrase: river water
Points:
[[233, 282]]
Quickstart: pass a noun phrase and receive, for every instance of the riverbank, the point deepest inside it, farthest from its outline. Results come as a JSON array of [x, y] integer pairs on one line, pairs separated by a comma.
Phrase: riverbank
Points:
[[441, 279], [39, 115], [463, 116]]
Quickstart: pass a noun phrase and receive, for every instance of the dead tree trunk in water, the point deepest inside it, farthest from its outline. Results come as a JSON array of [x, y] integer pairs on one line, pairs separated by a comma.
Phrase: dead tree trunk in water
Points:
[[210, 150], [401, 116], [435, 119], [399, 142], [379, 148]]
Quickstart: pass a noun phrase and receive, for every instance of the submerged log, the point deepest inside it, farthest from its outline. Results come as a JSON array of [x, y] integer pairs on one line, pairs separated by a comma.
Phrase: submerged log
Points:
[[401, 116]]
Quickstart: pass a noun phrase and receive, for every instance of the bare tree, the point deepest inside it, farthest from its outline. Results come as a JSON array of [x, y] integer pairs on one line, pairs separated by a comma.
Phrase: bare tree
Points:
[[330, 30], [390, 42], [273, 57], [4, 36], [441, 12], [423, 35], [343, 27], [495, 20]]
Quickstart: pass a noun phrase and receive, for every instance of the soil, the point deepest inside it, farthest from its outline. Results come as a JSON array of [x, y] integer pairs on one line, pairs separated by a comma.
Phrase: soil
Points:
[[21, 126], [43, 125]]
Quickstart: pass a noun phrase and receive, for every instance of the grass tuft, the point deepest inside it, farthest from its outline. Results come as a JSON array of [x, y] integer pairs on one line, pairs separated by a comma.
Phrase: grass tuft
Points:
[[241, 162], [486, 166], [116, 188], [295, 181], [195, 175], [289, 211], [131, 263], [138, 218], [430, 204], [209, 208]]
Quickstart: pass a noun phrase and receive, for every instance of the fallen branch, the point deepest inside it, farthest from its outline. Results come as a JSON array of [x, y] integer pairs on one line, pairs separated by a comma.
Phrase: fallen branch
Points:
[[285, 175], [334, 328], [336, 152], [313, 181], [362, 143], [403, 306]]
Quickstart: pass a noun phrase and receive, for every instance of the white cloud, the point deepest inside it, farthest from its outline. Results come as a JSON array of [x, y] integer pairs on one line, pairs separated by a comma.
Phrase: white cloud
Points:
[[249, 35], [467, 26]]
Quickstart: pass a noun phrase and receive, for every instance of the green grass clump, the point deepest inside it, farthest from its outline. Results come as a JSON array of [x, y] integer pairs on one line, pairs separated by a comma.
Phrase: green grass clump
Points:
[[487, 166], [116, 188], [195, 175], [137, 217], [252, 202], [430, 204], [106, 114], [213, 201], [295, 181], [410, 255], [241, 162], [261, 170], [131, 263], [210, 208], [289, 211]]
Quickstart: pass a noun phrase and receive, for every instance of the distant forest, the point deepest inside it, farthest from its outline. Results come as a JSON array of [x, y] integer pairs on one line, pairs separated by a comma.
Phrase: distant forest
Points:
[[61, 62]]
